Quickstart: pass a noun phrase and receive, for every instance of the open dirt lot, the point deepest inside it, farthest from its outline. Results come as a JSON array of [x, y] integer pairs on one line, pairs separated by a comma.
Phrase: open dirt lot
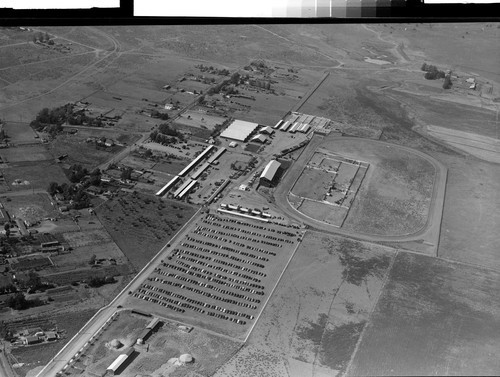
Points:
[[312, 322], [228, 266], [141, 224], [470, 216], [433, 318], [208, 350]]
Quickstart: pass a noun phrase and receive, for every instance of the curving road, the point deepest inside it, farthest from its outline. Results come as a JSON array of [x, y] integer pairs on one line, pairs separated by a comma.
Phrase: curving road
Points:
[[429, 232]]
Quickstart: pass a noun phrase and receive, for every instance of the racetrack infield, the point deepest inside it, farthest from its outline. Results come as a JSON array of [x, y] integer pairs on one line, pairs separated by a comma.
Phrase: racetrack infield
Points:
[[395, 196], [434, 317]]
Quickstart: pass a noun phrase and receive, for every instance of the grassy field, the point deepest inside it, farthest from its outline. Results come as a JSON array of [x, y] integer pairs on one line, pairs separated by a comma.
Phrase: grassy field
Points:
[[38, 175], [314, 318], [142, 224], [395, 195], [433, 318], [39, 355], [470, 215]]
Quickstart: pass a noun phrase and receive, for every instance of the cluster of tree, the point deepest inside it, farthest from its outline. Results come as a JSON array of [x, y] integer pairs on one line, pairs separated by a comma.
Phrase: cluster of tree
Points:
[[126, 173], [3, 135], [33, 283], [9, 245], [265, 84], [40, 37], [77, 172], [9, 288], [19, 302], [219, 127], [431, 72], [215, 71], [97, 281], [54, 118], [72, 192], [162, 139], [159, 115], [165, 129]]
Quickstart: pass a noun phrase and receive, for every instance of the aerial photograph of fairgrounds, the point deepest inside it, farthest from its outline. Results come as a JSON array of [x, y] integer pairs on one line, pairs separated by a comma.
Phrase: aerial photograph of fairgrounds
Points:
[[296, 200]]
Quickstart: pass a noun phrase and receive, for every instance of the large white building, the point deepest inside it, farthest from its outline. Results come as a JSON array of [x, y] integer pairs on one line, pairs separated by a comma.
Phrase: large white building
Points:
[[239, 130], [268, 175]]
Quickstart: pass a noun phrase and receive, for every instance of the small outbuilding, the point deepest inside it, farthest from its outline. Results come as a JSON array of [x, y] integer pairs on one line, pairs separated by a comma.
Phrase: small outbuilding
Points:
[[186, 358]]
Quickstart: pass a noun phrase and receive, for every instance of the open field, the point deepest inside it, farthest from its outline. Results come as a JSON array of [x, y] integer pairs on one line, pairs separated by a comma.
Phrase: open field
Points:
[[313, 321], [395, 197], [483, 147], [39, 355], [81, 152], [199, 119], [215, 281], [433, 318], [470, 215], [19, 132], [209, 351], [141, 224], [39, 176], [433, 40], [32, 208], [313, 183], [456, 116], [79, 257], [25, 153]]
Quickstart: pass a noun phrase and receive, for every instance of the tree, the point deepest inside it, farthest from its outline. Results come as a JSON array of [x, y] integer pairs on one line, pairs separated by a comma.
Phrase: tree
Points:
[[92, 259], [126, 173], [447, 82], [52, 189], [18, 302], [34, 280], [424, 67], [148, 153]]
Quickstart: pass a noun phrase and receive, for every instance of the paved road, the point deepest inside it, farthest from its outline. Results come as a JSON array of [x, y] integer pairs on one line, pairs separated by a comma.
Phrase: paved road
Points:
[[95, 323], [5, 368], [430, 229]]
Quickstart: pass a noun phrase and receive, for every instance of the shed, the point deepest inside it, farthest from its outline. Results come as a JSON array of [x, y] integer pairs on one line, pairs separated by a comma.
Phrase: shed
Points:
[[267, 130], [115, 365], [259, 138]]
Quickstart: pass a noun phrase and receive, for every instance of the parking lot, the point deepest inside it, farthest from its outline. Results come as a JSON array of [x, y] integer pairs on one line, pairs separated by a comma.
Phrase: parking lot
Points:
[[220, 274]]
